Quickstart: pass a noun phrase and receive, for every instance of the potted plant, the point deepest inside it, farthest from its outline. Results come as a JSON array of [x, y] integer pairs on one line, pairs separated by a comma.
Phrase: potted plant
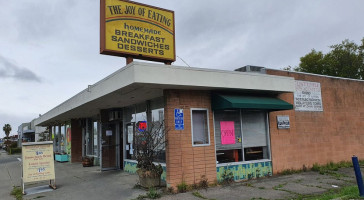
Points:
[[87, 161], [149, 143]]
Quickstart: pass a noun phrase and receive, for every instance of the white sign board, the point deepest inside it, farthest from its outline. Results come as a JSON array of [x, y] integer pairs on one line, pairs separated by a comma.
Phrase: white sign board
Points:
[[108, 132], [307, 96], [38, 161], [130, 134], [283, 122]]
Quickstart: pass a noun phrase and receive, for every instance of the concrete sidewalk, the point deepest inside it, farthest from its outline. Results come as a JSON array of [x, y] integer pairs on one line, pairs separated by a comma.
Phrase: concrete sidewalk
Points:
[[72, 180], [9, 174], [76, 182], [277, 187]]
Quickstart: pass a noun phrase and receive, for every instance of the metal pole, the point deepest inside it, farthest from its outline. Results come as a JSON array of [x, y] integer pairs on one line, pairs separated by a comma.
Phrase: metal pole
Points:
[[359, 179]]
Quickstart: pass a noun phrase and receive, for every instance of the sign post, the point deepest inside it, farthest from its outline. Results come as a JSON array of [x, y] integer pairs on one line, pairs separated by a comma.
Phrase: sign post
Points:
[[38, 163]]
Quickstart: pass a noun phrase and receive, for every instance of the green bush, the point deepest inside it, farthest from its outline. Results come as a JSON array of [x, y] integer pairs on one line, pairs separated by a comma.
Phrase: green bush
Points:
[[14, 150], [13, 145], [227, 177], [183, 187], [153, 194], [17, 193], [330, 167]]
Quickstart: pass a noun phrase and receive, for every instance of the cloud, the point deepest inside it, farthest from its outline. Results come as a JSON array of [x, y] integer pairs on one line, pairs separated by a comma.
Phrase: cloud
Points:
[[11, 70]]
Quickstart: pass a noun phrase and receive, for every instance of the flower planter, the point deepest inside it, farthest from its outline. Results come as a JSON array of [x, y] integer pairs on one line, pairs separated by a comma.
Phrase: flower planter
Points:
[[87, 161], [62, 157], [149, 179]]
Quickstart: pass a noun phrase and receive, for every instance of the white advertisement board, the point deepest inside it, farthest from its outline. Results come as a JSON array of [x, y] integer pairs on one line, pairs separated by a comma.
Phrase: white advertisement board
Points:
[[307, 96], [38, 161]]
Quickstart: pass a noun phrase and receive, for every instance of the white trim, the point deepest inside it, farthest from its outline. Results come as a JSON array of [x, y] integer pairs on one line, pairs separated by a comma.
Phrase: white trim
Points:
[[242, 162], [36, 143], [213, 123], [242, 135], [268, 136], [208, 127], [134, 161], [320, 75], [136, 78]]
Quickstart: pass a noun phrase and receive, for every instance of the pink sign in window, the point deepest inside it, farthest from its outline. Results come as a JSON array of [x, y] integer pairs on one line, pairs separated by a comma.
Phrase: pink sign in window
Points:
[[227, 132]]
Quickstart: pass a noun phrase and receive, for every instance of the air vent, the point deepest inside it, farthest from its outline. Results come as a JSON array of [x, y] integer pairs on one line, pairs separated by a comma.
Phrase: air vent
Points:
[[251, 68]]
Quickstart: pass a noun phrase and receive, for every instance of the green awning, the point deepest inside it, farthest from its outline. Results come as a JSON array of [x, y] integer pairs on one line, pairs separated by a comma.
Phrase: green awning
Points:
[[220, 102]]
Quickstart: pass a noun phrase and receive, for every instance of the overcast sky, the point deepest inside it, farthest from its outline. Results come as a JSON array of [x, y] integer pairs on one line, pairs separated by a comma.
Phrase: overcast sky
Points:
[[49, 49]]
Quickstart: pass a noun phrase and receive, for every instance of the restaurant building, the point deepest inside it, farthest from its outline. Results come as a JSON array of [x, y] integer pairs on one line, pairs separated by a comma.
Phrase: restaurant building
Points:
[[253, 121]]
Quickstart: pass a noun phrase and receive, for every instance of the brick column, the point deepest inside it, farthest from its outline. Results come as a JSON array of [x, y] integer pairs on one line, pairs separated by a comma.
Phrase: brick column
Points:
[[184, 162], [76, 141]]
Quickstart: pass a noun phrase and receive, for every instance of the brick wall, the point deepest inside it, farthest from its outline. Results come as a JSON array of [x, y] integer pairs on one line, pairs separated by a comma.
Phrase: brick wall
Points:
[[184, 162], [76, 141], [334, 135]]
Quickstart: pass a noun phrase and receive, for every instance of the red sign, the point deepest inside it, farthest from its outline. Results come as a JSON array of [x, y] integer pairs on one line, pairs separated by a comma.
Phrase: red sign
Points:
[[142, 126]]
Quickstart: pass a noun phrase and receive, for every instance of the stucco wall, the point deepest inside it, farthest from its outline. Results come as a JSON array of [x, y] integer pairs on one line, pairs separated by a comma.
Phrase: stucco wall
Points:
[[334, 135]]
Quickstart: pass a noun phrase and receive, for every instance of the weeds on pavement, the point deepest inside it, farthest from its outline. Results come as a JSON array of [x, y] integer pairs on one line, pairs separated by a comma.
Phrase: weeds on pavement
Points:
[[17, 193]]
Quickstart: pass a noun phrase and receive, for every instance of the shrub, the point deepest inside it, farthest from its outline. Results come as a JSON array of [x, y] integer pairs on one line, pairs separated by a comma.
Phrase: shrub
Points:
[[182, 187], [203, 182], [227, 177], [17, 193], [153, 193], [14, 150]]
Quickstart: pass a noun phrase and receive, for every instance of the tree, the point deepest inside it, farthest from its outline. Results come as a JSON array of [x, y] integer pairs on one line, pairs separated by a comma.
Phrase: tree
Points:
[[149, 144], [344, 60], [7, 130]]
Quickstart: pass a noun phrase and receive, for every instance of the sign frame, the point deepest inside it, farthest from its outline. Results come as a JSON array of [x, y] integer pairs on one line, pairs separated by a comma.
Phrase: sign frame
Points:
[[306, 95], [51, 167], [283, 122], [179, 124], [105, 51]]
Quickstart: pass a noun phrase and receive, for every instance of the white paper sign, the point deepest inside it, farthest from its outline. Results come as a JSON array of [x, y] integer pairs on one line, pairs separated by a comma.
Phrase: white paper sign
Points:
[[108, 132], [127, 147], [307, 96], [283, 122], [131, 152], [130, 134]]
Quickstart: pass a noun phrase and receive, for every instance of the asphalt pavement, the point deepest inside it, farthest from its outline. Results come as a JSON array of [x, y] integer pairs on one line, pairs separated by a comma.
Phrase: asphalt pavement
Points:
[[76, 182]]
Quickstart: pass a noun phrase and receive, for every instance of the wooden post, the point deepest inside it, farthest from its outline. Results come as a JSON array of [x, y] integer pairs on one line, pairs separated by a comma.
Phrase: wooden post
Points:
[[129, 60]]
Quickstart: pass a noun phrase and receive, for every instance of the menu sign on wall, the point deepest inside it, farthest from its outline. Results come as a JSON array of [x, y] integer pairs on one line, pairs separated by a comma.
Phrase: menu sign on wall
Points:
[[38, 161], [307, 96]]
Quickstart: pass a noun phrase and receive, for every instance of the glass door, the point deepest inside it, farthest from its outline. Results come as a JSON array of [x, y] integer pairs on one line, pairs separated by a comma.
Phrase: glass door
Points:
[[110, 137]]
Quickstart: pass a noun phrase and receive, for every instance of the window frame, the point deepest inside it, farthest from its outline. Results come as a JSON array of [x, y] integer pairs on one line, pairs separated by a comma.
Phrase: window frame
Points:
[[208, 127], [267, 127]]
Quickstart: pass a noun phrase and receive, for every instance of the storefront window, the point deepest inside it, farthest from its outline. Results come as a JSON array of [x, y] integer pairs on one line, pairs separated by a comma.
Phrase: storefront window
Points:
[[68, 140], [143, 116], [134, 115], [241, 135], [95, 137], [91, 137], [228, 144], [255, 135], [200, 127], [157, 108], [57, 138], [129, 116], [63, 139]]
